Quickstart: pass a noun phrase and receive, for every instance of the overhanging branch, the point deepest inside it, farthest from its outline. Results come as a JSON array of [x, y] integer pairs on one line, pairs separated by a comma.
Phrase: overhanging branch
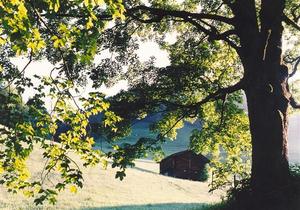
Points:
[[290, 22], [71, 15], [158, 12], [294, 103], [213, 33], [193, 18], [19, 73], [221, 93], [295, 67]]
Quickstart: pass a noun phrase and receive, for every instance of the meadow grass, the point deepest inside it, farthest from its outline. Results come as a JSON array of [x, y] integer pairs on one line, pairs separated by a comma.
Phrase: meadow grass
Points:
[[142, 188]]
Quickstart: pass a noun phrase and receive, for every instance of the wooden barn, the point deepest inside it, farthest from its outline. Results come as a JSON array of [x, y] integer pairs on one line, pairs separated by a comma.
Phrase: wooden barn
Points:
[[185, 165]]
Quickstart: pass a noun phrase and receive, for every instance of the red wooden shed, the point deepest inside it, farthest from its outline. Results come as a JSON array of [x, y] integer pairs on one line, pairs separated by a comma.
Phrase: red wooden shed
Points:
[[185, 165]]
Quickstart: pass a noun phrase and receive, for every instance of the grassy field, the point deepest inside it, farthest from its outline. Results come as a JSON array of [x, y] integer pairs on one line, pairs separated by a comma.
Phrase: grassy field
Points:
[[143, 188]]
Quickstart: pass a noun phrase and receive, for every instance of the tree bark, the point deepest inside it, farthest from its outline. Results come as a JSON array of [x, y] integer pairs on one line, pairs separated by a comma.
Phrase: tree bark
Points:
[[268, 102], [267, 93]]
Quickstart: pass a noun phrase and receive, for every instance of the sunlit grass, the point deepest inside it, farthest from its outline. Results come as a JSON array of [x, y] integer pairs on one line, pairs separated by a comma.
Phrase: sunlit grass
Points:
[[143, 188]]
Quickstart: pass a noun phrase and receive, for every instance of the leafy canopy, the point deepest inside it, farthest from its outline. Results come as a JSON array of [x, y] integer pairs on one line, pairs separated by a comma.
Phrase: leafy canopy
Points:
[[33, 29]]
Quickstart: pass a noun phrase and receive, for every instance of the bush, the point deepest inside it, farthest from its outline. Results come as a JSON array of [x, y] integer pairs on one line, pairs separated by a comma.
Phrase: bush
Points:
[[242, 196], [218, 206], [295, 170], [204, 174]]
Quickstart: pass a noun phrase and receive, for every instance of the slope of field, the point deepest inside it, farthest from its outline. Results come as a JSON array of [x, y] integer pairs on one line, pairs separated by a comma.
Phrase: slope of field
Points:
[[143, 188]]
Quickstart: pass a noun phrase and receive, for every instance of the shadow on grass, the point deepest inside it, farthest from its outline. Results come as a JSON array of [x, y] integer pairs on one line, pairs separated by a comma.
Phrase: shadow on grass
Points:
[[163, 206], [145, 170]]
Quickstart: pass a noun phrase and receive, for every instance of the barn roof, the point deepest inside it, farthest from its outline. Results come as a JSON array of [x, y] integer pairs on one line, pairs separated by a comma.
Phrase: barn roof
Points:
[[201, 157]]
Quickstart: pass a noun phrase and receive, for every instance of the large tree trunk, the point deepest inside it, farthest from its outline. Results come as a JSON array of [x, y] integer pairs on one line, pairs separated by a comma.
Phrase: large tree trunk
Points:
[[267, 92], [267, 99]]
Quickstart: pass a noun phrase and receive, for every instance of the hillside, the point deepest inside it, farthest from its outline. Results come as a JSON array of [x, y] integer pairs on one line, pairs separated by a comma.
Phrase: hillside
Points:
[[143, 188], [140, 129]]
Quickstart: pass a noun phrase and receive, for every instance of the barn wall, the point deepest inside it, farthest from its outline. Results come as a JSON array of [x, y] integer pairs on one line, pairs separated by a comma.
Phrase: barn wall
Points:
[[185, 165]]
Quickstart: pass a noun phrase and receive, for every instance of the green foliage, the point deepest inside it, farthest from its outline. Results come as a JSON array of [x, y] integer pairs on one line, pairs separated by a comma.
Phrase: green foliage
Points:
[[219, 206], [226, 139], [203, 68], [295, 177], [204, 174], [124, 155], [23, 33], [32, 29], [19, 140], [241, 197], [295, 170]]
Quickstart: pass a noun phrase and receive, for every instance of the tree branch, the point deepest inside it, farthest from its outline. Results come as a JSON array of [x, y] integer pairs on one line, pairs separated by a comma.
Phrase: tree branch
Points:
[[290, 22], [294, 103], [219, 94], [293, 12], [20, 73], [173, 126], [158, 12], [189, 17], [295, 67], [70, 15], [222, 111], [213, 34]]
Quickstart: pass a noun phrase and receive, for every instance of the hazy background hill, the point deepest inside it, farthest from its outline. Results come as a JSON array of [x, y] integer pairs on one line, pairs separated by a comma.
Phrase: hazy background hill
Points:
[[141, 129]]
